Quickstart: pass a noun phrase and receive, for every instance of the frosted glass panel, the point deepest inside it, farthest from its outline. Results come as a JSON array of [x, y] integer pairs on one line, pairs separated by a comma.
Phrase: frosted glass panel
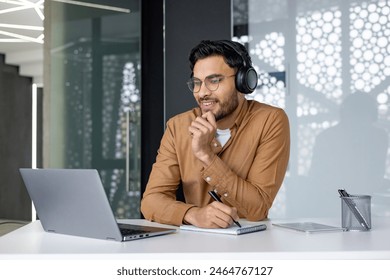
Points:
[[327, 63], [94, 93]]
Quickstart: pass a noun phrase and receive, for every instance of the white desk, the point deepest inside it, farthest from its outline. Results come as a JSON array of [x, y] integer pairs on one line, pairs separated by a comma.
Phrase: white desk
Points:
[[274, 243]]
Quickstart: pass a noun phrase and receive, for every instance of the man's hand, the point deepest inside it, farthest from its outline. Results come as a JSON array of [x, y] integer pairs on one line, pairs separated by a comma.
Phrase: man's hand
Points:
[[214, 215], [202, 130]]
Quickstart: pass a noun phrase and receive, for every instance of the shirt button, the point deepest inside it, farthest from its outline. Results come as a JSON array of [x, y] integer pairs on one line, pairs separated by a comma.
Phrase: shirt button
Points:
[[208, 179], [225, 194], [215, 144]]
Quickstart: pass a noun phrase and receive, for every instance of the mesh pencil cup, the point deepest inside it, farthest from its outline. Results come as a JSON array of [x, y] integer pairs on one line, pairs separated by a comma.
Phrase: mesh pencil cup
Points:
[[356, 212]]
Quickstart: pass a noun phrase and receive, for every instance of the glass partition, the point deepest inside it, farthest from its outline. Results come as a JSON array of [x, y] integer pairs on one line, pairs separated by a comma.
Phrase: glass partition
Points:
[[92, 94], [327, 63]]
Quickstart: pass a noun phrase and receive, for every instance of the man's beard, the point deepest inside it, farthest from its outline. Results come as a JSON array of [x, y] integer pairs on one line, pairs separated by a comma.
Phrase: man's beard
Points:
[[225, 108]]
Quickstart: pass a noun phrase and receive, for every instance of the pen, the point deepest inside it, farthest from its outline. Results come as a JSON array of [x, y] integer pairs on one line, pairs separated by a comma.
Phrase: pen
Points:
[[356, 212], [216, 198]]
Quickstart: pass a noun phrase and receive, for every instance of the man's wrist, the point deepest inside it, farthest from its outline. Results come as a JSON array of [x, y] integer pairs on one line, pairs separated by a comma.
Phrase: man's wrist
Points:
[[189, 216], [206, 159]]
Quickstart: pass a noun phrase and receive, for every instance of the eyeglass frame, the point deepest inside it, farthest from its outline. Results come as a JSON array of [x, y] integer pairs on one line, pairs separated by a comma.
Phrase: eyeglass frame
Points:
[[207, 82]]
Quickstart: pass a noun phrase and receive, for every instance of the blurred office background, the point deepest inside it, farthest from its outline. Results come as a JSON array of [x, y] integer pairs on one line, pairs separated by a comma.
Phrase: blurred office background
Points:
[[96, 90]]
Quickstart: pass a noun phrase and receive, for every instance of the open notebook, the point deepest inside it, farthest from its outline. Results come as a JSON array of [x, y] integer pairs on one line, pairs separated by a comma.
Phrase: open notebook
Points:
[[246, 227]]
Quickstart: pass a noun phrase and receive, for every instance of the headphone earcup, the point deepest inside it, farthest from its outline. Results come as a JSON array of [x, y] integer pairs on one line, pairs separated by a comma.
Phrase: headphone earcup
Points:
[[246, 80]]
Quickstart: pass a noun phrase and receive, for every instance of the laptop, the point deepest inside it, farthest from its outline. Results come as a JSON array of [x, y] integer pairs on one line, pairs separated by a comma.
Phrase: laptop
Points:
[[73, 202]]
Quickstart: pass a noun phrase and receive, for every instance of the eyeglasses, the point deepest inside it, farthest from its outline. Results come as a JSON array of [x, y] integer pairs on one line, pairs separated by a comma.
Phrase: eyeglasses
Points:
[[211, 82]]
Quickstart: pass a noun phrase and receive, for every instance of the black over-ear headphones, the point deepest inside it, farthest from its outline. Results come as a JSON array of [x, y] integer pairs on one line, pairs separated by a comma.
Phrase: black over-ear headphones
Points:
[[246, 76]]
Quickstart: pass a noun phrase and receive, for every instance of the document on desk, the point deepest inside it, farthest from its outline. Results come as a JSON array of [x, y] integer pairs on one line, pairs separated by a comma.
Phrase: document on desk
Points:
[[246, 227]]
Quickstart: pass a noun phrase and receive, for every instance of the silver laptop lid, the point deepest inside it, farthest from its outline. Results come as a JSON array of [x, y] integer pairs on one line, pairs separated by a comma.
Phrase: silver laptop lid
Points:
[[71, 201]]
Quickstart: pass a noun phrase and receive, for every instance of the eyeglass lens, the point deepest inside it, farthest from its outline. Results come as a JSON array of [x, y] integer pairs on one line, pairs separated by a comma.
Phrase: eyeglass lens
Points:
[[211, 83]]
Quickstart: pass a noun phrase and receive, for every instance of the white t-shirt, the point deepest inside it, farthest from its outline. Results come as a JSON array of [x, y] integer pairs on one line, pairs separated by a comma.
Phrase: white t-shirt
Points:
[[223, 136]]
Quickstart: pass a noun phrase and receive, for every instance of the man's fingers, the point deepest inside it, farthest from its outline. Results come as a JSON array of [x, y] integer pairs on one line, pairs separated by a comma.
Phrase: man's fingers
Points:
[[200, 125], [203, 122], [224, 214], [210, 118]]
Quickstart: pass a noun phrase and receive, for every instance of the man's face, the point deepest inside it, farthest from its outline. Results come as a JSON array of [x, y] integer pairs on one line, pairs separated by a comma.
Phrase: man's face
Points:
[[222, 101]]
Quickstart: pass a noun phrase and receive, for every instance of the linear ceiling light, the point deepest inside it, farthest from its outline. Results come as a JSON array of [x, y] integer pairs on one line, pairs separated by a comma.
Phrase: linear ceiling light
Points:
[[22, 37], [18, 26], [93, 5]]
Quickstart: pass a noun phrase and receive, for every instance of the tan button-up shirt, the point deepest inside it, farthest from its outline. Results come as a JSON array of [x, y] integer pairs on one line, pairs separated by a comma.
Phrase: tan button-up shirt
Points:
[[246, 172]]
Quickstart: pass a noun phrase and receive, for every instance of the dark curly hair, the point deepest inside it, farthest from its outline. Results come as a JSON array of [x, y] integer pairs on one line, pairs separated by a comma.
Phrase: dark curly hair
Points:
[[234, 53]]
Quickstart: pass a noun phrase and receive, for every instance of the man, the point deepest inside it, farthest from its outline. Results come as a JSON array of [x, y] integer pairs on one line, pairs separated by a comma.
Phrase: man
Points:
[[235, 147]]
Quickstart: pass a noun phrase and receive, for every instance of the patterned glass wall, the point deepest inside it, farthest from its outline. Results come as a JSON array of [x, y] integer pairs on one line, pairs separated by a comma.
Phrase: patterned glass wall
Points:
[[327, 64]]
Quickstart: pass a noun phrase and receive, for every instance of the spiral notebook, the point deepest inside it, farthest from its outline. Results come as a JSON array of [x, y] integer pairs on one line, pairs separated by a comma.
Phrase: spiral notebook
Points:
[[246, 227]]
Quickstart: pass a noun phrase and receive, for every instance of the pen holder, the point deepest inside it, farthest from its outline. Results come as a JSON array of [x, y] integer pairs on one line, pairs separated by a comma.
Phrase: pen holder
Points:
[[356, 212]]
